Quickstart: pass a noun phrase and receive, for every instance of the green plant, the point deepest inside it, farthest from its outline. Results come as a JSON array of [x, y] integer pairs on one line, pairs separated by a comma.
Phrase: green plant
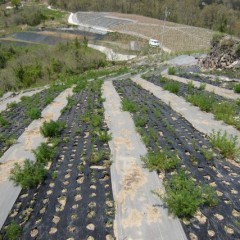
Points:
[[228, 145], [81, 84], [52, 129], [202, 100], [13, 231], [54, 174], [171, 70], [3, 121], [28, 175], [103, 135], [172, 86], [10, 140], [11, 104], [44, 153], [208, 153], [48, 99], [237, 88], [190, 86], [33, 113], [128, 105], [140, 121], [97, 156], [163, 160], [96, 120], [183, 196], [216, 39], [238, 101], [202, 86]]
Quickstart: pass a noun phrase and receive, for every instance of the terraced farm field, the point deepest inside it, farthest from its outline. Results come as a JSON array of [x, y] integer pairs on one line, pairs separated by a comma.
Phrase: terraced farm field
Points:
[[125, 159]]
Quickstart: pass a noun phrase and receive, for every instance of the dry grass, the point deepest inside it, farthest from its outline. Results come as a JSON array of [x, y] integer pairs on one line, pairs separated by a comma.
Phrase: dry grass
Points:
[[177, 37]]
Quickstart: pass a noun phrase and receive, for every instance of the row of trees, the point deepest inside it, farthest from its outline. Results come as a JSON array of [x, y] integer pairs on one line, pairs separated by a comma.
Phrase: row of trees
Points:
[[221, 15]]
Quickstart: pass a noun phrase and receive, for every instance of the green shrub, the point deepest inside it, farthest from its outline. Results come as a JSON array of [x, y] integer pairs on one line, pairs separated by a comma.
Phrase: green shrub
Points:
[[140, 121], [237, 88], [33, 113], [44, 153], [172, 87], [183, 196], [11, 105], [202, 86], [190, 86], [97, 156], [208, 153], [128, 105], [29, 175], [225, 111], [52, 129], [96, 120], [48, 99], [228, 145], [13, 231], [3, 121], [238, 101], [202, 100], [171, 70], [103, 135], [81, 84], [160, 160]]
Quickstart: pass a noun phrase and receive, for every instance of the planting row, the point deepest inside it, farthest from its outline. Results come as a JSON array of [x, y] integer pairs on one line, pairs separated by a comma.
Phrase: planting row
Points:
[[202, 184], [74, 200], [18, 116], [233, 85], [222, 108]]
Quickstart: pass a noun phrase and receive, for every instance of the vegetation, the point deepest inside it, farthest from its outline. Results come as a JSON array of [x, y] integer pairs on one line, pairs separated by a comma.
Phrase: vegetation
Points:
[[171, 70], [163, 160], [44, 153], [33, 113], [172, 86], [237, 88], [228, 145], [13, 231], [28, 66], [183, 196], [28, 175], [202, 100], [52, 129], [213, 14], [128, 105]]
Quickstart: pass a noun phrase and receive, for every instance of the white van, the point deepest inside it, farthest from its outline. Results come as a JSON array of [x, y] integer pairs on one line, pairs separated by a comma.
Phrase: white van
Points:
[[154, 43]]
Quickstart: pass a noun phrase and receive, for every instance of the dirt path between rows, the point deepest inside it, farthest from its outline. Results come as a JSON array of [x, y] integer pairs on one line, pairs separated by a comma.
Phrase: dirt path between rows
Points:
[[139, 213], [22, 150], [202, 121], [210, 88]]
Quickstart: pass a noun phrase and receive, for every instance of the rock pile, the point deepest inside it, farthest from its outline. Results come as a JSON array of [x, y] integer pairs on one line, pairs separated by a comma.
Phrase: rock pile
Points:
[[225, 54]]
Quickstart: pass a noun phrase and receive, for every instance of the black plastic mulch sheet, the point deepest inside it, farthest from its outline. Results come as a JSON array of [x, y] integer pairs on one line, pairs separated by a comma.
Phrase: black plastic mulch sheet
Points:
[[176, 134], [75, 200], [18, 119]]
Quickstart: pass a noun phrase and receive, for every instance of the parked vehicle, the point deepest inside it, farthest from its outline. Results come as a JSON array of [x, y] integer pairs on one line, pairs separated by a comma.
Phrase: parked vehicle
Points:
[[154, 43]]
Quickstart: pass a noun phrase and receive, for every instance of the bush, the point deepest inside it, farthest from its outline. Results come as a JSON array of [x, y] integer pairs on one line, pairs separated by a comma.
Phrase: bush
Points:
[[172, 87], [44, 153], [3, 121], [202, 100], [29, 175], [96, 120], [228, 146], [128, 105], [82, 84], [183, 196], [52, 129], [13, 231], [11, 105], [161, 160], [140, 121], [171, 70], [237, 88], [33, 113]]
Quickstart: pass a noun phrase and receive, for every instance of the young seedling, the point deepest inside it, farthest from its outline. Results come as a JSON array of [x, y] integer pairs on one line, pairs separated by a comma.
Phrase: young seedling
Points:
[[13, 231]]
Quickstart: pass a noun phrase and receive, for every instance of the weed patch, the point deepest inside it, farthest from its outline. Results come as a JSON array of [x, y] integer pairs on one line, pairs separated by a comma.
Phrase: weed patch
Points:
[[52, 129], [129, 106], [172, 87]]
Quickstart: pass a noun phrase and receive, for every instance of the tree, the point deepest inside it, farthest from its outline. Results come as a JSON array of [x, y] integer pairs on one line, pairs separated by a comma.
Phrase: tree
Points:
[[16, 3]]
